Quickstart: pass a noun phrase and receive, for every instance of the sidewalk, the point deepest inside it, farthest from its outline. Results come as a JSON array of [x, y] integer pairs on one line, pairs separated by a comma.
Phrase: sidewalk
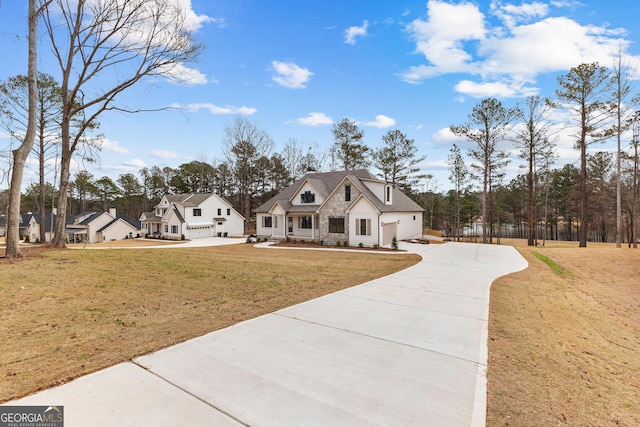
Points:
[[405, 349]]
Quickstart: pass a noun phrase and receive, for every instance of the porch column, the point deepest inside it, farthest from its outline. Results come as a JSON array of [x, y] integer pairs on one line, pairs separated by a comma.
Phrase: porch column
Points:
[[273, 226]]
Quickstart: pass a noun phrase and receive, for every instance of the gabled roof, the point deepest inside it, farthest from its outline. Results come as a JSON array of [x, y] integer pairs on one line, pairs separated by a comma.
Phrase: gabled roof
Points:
[[48, 225], [178, 214], [110, 223], [91, 218], [326, 183], [150, 216], [188, 199]]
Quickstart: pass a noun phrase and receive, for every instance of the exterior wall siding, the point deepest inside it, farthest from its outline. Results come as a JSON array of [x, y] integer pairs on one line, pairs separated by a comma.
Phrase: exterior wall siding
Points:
[[118, 231], [363, 210], [407, 228], [307, 187], [97, 224]]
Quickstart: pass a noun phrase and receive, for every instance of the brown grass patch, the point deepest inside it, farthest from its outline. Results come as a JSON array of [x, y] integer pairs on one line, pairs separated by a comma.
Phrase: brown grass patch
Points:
[[66, 313], [563, 343]]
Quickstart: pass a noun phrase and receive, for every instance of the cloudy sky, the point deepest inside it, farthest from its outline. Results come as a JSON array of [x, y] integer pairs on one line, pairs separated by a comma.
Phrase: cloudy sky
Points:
[[294, 68]]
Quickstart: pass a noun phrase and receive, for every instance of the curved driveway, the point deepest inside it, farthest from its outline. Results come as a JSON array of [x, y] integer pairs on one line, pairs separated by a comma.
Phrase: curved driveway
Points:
[[406, 349]]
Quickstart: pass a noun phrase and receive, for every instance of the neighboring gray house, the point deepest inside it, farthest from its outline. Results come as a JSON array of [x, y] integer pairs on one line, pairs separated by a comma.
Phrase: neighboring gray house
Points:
[[191, 216], [347, 206]]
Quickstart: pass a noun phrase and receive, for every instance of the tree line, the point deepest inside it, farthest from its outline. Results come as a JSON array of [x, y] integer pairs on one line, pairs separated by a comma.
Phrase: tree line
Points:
[[599, 106]]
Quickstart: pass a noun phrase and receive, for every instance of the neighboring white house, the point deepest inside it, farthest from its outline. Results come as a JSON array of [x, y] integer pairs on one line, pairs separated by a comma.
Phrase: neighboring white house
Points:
[[346, 206], [191, 216], [30, 226], [96, 227]]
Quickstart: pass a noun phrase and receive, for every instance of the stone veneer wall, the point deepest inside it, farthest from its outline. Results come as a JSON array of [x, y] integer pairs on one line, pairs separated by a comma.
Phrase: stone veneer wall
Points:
[[335, 207]]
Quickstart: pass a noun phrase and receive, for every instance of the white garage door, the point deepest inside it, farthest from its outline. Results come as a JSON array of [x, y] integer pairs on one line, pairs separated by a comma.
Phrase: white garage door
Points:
[[200, 231], [388, 231]]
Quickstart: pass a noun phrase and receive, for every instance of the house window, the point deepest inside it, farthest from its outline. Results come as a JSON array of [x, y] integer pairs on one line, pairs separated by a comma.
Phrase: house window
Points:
[[363, 227], [174, 229], [336, 225], [304, 222], [267, 222], [219, 212], [197, 212], [307, 197], [347, 192], [166, 228], [388, 194], [228, 211]]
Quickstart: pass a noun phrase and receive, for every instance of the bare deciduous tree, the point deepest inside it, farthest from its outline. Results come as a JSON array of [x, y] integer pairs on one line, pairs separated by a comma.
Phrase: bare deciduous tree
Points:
[[104, 47], [244, 145]]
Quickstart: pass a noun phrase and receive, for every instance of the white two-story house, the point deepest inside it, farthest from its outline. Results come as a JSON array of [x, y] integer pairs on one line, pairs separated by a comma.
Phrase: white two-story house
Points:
[[191, 216], [345, 206]]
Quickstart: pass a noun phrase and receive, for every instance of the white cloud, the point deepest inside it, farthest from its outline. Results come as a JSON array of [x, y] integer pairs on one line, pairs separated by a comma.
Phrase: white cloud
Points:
[[444, 136], [507, 58], [291, 75], [511, 14], [195, 21], [497, 89], [136, 163], [164, 154], [352, 33], [315, 119], [215, 109], [112, 146], [441, 39], [181, 74], [381, 122]]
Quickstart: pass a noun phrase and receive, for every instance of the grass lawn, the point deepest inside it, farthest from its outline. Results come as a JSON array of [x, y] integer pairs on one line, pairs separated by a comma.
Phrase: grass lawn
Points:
[[66, 313], [564, 338]]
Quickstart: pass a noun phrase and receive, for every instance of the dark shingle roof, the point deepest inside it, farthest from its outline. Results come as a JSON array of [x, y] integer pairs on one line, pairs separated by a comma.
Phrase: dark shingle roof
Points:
[[326, 182]]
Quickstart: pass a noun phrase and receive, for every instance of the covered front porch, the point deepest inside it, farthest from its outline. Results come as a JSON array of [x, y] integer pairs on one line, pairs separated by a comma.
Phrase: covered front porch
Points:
[[282, 226], [152, 228], [76, 235]]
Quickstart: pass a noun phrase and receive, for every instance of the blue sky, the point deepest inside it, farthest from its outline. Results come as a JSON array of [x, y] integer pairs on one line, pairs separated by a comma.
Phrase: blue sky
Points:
[[295, 67]]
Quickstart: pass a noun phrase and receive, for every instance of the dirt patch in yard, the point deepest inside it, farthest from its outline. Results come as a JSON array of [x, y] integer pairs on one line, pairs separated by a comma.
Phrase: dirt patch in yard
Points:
[[66, 313], [564, 338]]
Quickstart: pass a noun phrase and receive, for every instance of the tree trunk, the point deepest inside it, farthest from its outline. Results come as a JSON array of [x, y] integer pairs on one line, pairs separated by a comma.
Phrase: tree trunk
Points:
[[530, 208], [60, 237], [583, 227], [22, 152], [41, 192]]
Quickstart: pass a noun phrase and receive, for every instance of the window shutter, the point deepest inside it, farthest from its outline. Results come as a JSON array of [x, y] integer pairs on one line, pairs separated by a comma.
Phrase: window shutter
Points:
[[357, 227], [368, 227]]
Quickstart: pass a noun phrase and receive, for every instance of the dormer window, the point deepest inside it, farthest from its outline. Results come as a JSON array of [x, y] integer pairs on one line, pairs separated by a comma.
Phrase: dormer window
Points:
[[307, 197], [388, 194], [347, 192]]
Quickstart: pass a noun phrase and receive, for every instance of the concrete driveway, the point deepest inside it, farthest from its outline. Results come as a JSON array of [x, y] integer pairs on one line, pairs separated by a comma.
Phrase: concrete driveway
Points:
[[406, 349]]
